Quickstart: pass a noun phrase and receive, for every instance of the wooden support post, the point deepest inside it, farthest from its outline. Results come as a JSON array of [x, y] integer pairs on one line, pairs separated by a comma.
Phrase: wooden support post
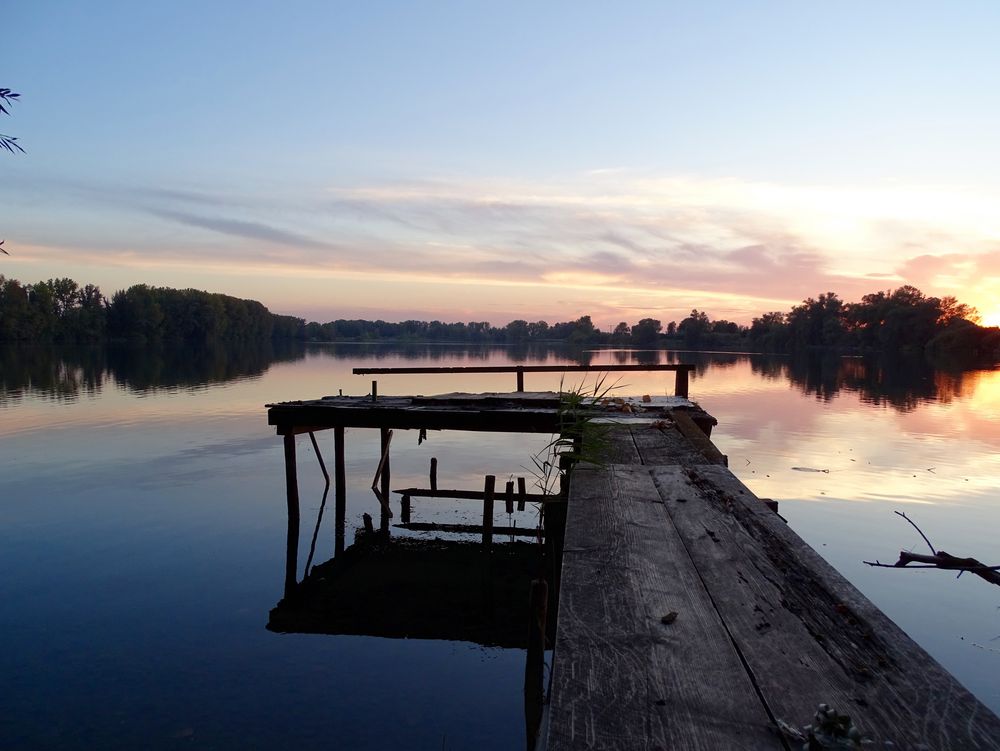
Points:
[[681, 383], [534, 666], [319, 457], [374, 390], [434, 473], [292, 493], [488, 490], [509, 497], [521, 493], [520, 379], [404, 509], [565, 465], [386, 513], [339, 490]]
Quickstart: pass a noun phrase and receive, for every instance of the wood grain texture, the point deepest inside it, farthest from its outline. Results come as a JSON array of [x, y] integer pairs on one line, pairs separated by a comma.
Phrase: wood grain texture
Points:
[[666, 446], [806, 634], [619, 448], [624, 679], [697, 437]]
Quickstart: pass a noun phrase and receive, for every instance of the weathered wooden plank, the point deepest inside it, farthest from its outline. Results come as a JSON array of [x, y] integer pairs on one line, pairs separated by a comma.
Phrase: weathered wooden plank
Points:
[[665, 446], [489, 412], [698, 438], [683, 367], [617, 447], [624, 679], [807, 635]]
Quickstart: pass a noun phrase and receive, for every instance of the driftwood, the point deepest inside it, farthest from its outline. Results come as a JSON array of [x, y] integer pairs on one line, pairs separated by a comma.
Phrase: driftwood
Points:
[[940, 559]]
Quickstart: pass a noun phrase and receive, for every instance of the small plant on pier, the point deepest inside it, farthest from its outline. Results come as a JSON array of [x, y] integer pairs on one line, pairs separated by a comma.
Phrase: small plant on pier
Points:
[[579, 438]]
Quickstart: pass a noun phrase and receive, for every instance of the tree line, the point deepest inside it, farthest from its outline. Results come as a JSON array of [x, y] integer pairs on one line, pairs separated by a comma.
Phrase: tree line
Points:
[[60, 310], [900, 320]]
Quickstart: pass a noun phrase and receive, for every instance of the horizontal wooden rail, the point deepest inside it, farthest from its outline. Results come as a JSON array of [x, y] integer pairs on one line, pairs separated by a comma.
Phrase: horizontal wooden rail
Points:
[[680, 384], [469, 529], [475, 495]]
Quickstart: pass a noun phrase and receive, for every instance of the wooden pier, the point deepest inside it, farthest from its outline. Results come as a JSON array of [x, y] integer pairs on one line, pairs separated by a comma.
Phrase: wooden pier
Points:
[[689, 615]]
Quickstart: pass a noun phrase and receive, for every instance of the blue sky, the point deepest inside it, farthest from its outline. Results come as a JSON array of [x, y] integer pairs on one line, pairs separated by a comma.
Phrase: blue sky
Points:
[[491, 161]]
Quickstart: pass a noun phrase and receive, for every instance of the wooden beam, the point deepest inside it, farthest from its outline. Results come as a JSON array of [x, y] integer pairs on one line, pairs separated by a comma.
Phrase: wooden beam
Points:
[[698, 439], [687, 367], [339, 490], [488, 488], [300, 429], [292, 497], [470, 495], [385, 474], [469, 529], [681, 383]]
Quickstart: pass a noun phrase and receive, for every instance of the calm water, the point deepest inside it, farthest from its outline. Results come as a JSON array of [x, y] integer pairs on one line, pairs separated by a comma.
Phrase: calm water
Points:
[[142, 525]]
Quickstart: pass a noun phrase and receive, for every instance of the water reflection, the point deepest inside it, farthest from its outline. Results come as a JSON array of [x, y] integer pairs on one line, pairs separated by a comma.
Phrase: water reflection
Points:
[[409, 588], [150, 531], [900, 383], [67, 373]]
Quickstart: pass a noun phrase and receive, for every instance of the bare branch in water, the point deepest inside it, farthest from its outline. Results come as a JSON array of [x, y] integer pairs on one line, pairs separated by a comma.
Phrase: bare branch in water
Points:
[[940, 559]]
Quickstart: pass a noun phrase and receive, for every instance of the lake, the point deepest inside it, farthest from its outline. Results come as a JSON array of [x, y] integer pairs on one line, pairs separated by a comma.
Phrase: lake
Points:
[[142, 531]]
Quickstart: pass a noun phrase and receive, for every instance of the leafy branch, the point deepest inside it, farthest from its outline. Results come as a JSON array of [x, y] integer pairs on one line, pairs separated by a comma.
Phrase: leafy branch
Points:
[[7, 99]]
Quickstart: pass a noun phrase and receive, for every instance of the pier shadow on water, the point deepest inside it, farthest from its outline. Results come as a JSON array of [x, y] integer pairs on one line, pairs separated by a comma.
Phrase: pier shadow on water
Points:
[[401, 587]]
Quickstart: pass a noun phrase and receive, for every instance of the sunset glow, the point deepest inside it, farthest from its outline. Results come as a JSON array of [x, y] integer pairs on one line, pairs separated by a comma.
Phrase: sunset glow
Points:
[[589, 173]]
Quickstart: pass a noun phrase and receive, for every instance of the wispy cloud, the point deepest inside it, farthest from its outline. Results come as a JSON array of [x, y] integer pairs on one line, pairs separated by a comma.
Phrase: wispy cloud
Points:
[[242, 229], [622, 241]]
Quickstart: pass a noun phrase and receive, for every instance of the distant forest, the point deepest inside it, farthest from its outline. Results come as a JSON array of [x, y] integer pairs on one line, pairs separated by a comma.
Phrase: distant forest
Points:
[[900, 320]]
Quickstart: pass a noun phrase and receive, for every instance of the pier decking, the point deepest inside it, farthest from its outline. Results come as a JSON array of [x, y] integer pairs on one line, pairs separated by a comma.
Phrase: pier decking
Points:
[[689, 615]]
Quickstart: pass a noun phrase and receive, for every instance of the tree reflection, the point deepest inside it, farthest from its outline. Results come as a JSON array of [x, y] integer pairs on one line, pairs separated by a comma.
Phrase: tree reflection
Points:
[[67, 373]]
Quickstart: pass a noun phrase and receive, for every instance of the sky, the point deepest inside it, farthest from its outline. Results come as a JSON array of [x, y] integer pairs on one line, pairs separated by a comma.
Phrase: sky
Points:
[[493, 161]]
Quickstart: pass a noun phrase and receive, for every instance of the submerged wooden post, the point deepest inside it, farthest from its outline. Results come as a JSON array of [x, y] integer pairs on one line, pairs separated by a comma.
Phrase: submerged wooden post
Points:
[[534, 666], [521, 493], [292, 493], [434, 473], [384, 519], [509, 497], [520, 378], [488, 490], [681, 382], [339, 491]]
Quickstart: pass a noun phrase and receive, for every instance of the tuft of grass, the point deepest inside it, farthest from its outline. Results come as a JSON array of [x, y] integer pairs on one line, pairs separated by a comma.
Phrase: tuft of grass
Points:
[[579, 439]]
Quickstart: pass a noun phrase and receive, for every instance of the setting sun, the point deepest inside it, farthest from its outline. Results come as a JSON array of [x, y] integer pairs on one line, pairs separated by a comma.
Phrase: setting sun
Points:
[[991, 318]]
